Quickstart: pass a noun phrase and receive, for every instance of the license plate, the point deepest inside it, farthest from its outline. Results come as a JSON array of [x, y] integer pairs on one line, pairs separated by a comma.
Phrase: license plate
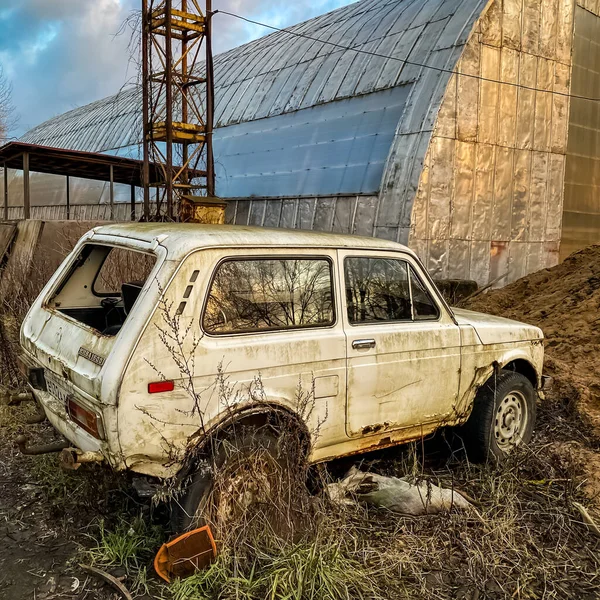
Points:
[[57, 389]]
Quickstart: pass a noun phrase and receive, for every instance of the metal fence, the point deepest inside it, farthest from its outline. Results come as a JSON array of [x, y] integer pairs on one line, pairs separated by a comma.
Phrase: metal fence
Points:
[[79, 212]]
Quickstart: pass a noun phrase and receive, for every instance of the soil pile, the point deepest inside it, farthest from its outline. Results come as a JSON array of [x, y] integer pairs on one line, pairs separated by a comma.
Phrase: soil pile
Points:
[[564, 302]]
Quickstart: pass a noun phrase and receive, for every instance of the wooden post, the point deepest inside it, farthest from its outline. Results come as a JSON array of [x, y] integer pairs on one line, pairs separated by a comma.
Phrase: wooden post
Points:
[[26, 197], [5, 192], [132, 216], [112, 195], [68, 199]]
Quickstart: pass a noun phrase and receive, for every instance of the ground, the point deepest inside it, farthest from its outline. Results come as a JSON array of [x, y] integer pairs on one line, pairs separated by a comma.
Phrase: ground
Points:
[[526, 539]]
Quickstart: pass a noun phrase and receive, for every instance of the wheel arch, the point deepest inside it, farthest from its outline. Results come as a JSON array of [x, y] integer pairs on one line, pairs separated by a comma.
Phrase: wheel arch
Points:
[[525, 368], [277, 416]]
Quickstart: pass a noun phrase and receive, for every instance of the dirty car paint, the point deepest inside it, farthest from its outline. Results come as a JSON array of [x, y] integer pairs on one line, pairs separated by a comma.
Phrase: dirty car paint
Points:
[[419, 376]]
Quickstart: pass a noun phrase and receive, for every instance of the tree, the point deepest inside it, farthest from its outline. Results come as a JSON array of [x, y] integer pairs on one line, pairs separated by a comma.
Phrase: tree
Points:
[[6, 107]]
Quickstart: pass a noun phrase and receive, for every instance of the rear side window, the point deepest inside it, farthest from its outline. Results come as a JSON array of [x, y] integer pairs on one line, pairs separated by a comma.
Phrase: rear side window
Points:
[[268, 294], [102, 286], [384, 290]]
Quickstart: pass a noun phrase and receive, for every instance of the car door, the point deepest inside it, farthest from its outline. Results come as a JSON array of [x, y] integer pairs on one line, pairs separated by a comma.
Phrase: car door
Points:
[[403, 347]]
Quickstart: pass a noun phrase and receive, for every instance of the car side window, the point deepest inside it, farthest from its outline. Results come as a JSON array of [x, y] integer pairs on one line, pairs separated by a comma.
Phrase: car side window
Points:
[[385, 289], [377, 289], [423, 305], [251, 295]]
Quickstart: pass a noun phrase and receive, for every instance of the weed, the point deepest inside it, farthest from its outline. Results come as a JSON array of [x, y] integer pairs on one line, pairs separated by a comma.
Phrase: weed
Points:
[[319, 570], [57, 485], [14, 418], [129, 545]]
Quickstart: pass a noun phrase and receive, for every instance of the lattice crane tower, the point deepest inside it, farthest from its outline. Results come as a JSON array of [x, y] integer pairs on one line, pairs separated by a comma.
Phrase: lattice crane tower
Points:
[[178, 108]]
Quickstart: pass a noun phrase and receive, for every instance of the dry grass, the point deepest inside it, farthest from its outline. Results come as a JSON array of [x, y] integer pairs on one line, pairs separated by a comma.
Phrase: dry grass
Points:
[[526, 540]]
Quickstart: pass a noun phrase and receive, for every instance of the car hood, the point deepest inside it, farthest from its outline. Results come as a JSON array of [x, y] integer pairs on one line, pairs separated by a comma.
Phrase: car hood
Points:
[[497, 330]]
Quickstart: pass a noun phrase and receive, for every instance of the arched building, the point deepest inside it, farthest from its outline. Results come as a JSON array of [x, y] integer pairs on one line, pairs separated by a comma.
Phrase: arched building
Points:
[[444, 124]]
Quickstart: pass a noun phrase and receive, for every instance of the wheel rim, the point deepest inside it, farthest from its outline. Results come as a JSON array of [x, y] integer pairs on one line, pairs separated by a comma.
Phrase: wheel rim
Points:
[[510, 421]]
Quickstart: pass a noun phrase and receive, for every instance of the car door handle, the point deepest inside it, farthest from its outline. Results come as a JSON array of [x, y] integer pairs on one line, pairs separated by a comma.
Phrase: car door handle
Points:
[[362, 344]]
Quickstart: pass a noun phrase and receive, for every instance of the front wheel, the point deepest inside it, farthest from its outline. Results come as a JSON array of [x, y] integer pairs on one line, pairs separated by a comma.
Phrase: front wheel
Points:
[[503, 417]]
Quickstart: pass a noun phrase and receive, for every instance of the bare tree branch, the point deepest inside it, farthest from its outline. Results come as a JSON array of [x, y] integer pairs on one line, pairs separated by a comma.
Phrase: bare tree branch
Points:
[[7, 111]]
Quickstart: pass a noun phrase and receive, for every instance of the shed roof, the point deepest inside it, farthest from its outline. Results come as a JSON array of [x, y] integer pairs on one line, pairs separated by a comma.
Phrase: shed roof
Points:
[[75, 163]]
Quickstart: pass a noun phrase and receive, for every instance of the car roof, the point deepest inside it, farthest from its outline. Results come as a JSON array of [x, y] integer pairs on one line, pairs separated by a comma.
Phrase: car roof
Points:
[[182, 238]]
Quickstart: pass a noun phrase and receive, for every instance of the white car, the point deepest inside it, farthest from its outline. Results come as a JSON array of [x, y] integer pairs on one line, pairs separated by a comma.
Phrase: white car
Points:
[[152, 338]]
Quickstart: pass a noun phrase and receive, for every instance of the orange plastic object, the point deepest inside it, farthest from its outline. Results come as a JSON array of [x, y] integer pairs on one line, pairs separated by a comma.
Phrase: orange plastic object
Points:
[[186, 554]]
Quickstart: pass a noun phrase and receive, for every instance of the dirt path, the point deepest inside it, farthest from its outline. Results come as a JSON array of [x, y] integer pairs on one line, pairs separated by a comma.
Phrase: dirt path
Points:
[[42, 532]]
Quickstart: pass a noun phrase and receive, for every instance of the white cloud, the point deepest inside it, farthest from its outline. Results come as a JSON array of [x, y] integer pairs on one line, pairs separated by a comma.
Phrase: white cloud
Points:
[[65, 53]]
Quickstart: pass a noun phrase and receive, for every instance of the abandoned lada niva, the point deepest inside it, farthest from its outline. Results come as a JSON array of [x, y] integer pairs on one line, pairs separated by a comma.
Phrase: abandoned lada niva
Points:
[[152, 338]]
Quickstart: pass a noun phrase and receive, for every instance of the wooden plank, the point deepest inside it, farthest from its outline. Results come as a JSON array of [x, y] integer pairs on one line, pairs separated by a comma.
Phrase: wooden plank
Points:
[[7, 234], [19, 263]]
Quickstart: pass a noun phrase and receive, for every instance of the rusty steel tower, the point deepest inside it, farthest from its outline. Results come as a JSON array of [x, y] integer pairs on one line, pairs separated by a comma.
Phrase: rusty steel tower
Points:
[[178, 107]]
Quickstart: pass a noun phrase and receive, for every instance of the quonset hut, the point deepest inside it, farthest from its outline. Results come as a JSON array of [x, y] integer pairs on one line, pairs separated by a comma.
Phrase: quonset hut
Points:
[[479, 160]]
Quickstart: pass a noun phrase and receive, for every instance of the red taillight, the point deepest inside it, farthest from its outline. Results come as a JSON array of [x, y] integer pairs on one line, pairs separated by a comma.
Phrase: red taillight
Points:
[[86, 419], [161, 386]]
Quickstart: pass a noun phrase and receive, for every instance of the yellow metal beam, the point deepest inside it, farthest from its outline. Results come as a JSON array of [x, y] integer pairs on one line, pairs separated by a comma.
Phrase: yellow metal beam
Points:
[[185, 132]]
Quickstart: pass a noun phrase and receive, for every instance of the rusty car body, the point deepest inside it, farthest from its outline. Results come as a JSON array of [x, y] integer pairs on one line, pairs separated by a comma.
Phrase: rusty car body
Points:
[[355, 322]]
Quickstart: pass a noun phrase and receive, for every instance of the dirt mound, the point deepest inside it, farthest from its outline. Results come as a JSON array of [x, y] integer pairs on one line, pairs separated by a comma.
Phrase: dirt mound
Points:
[[565, 302]]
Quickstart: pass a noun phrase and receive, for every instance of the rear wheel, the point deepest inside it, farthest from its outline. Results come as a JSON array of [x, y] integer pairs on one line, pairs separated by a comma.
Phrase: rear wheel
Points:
[[503, 417], [246, 478]]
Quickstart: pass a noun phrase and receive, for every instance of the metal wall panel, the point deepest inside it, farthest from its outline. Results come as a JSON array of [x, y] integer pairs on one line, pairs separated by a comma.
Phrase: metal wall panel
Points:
[[464, 187], [581, 219], [489, 91], [503, 191], [507, 106], [467, 115], [335, 148], [506, 192]]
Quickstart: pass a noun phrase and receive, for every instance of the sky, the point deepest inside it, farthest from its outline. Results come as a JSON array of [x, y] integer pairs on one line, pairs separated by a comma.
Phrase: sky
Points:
[[61, 54]]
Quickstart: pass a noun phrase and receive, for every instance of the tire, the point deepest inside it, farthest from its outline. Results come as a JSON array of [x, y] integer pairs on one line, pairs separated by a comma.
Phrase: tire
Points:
[[252, 458], [502, 418]]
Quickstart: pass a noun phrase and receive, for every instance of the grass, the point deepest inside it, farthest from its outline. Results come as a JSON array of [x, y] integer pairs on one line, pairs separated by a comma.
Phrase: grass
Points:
[[58, 485], [527, 540], [130, 545], [317, 570]]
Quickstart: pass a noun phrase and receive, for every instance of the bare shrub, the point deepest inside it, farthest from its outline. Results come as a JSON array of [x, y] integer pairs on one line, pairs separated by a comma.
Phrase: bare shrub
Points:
[[22, 279], [258, 466]]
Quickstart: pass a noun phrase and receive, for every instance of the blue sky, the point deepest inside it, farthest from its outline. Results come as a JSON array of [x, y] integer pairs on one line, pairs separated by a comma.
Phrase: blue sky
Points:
[[60, 54]]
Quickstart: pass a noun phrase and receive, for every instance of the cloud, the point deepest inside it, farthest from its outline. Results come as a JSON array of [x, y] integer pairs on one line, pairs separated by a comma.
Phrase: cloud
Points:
[[60, 54]]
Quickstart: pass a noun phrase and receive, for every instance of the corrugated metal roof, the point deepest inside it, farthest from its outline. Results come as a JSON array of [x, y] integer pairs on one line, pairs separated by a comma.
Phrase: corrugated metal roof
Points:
[[336, 148], [281, 73]]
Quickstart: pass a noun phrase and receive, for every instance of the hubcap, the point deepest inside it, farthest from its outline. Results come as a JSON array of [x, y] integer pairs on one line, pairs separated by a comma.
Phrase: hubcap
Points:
[[510, 421]]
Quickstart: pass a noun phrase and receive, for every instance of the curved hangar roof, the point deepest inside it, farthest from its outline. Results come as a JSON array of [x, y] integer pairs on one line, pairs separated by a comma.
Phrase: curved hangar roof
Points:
[[300, 117]]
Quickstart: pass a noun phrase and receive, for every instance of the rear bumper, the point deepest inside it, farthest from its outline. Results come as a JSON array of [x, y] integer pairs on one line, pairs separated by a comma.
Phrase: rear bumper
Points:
[[55, 410]]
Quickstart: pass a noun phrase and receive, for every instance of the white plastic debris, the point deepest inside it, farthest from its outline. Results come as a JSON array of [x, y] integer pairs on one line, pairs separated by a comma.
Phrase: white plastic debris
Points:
[[397, 495]]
